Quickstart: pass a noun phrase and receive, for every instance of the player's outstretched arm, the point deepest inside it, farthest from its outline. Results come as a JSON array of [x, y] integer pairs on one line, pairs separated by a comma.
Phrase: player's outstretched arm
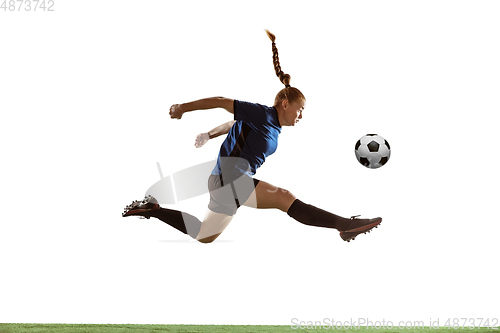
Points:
[[177, 110], [203, 138]]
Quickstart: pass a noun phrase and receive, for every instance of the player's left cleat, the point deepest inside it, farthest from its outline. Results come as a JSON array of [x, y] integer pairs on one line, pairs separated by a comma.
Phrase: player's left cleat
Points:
[[359, 226], [142, 208]]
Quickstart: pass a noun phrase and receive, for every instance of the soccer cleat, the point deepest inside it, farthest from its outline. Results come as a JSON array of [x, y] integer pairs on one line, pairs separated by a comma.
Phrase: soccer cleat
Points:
[[142, 208], [358, 226]]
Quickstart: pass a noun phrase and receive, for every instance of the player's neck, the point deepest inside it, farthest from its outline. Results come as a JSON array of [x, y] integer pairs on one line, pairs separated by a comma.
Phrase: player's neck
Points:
[[281, 116]]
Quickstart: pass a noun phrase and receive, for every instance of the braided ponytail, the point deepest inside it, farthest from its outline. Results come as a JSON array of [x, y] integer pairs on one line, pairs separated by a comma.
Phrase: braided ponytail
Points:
[[284, 78], [288, 93]]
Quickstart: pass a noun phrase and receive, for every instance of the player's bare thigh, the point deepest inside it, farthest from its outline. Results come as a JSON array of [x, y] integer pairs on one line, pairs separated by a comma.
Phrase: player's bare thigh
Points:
[[263, 196], [269, 196], [213, 225]]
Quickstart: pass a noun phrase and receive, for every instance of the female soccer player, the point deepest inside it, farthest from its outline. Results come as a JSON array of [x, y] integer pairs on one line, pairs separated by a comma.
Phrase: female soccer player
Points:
[[251, 137]]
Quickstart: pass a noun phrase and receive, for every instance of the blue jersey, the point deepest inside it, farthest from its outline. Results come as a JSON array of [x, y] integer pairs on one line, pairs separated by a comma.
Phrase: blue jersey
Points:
[[253, 137]]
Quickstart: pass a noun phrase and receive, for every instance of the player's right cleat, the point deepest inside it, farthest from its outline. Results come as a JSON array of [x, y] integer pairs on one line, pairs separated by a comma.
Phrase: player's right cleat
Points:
[[359, 226], [142, 208]]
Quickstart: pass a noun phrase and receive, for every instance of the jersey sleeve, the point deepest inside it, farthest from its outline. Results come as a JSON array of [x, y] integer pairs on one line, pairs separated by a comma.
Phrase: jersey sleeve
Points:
[[250, 113]]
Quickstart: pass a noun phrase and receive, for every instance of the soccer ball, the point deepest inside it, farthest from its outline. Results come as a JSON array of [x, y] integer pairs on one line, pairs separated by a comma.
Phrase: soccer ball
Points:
[[372, 151]]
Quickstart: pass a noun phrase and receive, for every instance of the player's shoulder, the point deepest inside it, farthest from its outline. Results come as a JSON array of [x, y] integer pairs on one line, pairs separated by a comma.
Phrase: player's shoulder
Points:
[[251, 105]]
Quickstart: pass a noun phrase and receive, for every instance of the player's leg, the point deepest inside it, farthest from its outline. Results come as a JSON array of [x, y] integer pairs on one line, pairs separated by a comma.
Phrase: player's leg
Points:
[[221, 210], [149, 207], [269, 196], [213, 225]]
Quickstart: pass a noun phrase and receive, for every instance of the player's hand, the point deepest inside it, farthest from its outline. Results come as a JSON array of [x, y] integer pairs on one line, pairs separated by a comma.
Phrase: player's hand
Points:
[[176, 111], [201, 139]]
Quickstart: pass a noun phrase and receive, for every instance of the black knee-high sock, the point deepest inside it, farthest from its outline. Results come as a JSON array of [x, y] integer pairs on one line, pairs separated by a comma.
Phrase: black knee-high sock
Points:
[[181, 221], [310, 215]]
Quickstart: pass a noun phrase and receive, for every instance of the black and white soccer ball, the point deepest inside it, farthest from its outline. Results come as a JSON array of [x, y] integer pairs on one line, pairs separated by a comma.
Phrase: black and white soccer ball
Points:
[[372, 151]]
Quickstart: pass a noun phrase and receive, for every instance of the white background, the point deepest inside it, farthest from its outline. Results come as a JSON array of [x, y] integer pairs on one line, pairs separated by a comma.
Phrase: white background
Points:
[[84, 97]]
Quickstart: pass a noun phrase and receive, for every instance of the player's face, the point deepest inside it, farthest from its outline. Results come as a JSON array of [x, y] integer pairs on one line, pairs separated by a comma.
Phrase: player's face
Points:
[[294, 112]]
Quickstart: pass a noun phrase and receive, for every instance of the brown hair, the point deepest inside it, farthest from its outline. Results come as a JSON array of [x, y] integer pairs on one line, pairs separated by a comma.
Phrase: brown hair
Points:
[[290, 93]]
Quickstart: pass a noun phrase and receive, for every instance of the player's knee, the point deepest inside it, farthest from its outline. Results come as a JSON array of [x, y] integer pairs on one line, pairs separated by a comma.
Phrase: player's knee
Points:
[[286, 199], [206, 240], [209, 239]]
